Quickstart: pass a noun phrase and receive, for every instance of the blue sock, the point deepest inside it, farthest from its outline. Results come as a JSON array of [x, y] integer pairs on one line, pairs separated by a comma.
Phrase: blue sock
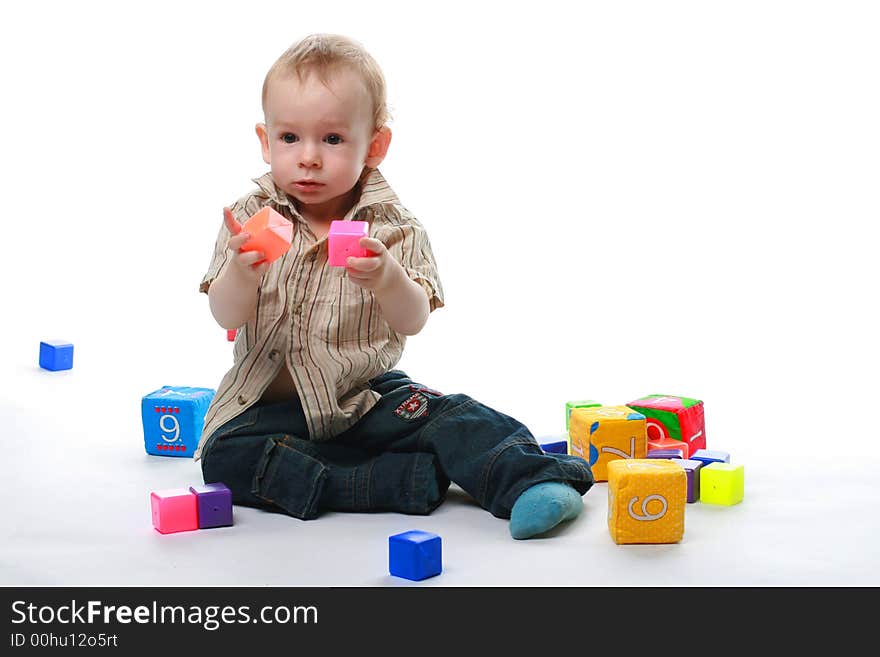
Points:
[[542, 507]]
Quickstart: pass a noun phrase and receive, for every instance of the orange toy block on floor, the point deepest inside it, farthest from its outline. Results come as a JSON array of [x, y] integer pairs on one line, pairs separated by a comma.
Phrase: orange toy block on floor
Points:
[[670, 443], [646, 501], [270, 233], [604, 433]]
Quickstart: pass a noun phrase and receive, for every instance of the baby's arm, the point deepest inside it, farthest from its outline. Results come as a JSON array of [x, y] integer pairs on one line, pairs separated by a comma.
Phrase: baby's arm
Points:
[[403, 302], [232, 297]]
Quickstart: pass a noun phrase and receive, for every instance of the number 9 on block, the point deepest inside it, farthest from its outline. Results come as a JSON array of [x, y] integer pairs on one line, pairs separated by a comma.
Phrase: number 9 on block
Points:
[[173, 417]]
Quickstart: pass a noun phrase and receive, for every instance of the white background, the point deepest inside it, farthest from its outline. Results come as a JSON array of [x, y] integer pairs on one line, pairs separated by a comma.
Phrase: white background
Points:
[[648, 197]]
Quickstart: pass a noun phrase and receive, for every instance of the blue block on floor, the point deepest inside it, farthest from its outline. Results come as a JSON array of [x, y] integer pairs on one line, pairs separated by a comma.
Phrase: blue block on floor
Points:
[[558, 447], [707, 456], [56, 355], [415, 555]]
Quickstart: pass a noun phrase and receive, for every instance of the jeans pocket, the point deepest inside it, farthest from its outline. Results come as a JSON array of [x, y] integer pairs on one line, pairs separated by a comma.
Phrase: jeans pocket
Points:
[[239, 425], [289, 479]]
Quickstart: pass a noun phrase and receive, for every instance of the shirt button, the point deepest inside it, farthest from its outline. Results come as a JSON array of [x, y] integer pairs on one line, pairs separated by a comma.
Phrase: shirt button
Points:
[[273, 355], [241, 400]]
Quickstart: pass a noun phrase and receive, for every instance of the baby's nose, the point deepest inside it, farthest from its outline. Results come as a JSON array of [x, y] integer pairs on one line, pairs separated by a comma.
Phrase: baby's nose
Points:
[[309, 157]]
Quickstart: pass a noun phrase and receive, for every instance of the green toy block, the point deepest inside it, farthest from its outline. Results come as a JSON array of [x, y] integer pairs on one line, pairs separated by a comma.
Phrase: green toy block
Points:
[[722, 483], [584, 403]]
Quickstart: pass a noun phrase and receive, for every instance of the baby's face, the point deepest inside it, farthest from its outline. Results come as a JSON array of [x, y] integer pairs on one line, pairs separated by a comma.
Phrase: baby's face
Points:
[[317, 138]]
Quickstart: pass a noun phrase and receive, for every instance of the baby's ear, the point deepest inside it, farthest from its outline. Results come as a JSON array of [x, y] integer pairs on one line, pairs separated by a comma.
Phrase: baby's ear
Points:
[[378, 147], [263, 135]]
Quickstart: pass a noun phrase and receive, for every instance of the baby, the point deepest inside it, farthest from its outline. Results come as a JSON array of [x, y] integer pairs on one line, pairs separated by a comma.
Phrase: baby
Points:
[[312, 416]]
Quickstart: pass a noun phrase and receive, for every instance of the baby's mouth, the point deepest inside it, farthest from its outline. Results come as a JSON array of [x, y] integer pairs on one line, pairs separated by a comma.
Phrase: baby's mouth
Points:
[[307, 185]]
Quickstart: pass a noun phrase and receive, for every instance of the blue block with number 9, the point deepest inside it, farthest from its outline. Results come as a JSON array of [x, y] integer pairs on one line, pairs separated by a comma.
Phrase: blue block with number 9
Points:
[[173, 419]]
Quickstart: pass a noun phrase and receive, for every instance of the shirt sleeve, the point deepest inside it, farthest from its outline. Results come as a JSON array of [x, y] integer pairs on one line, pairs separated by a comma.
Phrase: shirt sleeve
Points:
[[407, 241], [242, 209]]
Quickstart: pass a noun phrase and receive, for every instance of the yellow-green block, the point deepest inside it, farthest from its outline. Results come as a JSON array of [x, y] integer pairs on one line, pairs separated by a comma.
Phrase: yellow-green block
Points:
[[722, 483], [584, 403]]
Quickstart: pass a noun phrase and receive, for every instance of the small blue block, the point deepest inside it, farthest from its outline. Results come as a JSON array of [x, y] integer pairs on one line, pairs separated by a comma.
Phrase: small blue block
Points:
[[559, 447], [415, 555], [708, 456], [56, 355]]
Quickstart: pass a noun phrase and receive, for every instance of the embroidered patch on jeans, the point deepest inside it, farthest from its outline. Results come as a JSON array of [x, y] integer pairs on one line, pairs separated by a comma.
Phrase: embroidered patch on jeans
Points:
[[414, 407]]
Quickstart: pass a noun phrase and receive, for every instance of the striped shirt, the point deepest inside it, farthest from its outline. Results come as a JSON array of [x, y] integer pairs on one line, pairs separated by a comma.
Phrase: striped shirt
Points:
[[312, 319]]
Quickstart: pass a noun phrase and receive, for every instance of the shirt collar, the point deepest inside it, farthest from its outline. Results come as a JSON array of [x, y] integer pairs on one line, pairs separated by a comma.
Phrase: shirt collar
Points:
[[375, 190]]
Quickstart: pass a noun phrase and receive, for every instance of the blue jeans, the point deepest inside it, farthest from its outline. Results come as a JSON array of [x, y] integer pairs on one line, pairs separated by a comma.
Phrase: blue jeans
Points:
[[399, 457]]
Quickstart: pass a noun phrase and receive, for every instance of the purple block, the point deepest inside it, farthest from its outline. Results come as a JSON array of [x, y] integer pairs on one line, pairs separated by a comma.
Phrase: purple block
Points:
[[665, 453], [708, 456], [214, 502], [692, 470]]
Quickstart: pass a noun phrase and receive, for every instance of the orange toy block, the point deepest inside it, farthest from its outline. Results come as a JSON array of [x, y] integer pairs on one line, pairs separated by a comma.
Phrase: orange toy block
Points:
[[270, 233], [604, 433], [646, 501], [670, 443]]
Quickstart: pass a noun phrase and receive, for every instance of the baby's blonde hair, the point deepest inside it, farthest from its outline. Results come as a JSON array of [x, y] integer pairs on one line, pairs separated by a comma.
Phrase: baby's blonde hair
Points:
[[324, 53]]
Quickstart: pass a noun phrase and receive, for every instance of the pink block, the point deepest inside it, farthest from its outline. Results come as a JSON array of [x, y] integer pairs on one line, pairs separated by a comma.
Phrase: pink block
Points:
[[174, 510], [343, 241]]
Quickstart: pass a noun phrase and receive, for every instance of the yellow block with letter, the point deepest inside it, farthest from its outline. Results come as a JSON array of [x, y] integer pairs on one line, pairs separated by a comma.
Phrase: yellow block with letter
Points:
[[605, 433]]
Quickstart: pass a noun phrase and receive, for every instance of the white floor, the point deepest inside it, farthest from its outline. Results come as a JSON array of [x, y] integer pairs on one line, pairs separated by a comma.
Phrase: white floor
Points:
[[76, 482], [681, 203]]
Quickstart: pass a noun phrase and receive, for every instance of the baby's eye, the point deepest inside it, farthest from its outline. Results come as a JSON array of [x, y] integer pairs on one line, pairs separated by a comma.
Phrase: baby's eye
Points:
[[333, 139], [289, 138]]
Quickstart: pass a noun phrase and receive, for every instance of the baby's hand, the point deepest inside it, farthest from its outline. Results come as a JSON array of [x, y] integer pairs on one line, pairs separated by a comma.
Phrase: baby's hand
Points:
[[244, 262], [373, 272]]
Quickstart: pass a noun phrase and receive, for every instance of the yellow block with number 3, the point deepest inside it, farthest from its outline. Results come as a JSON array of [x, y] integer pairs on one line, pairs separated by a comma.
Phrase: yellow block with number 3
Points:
[[646, 501]]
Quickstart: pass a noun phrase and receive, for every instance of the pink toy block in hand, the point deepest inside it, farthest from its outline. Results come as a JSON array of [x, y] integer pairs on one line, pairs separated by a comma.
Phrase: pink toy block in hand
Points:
[[270, 233], [343, 241], [174, 510]]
